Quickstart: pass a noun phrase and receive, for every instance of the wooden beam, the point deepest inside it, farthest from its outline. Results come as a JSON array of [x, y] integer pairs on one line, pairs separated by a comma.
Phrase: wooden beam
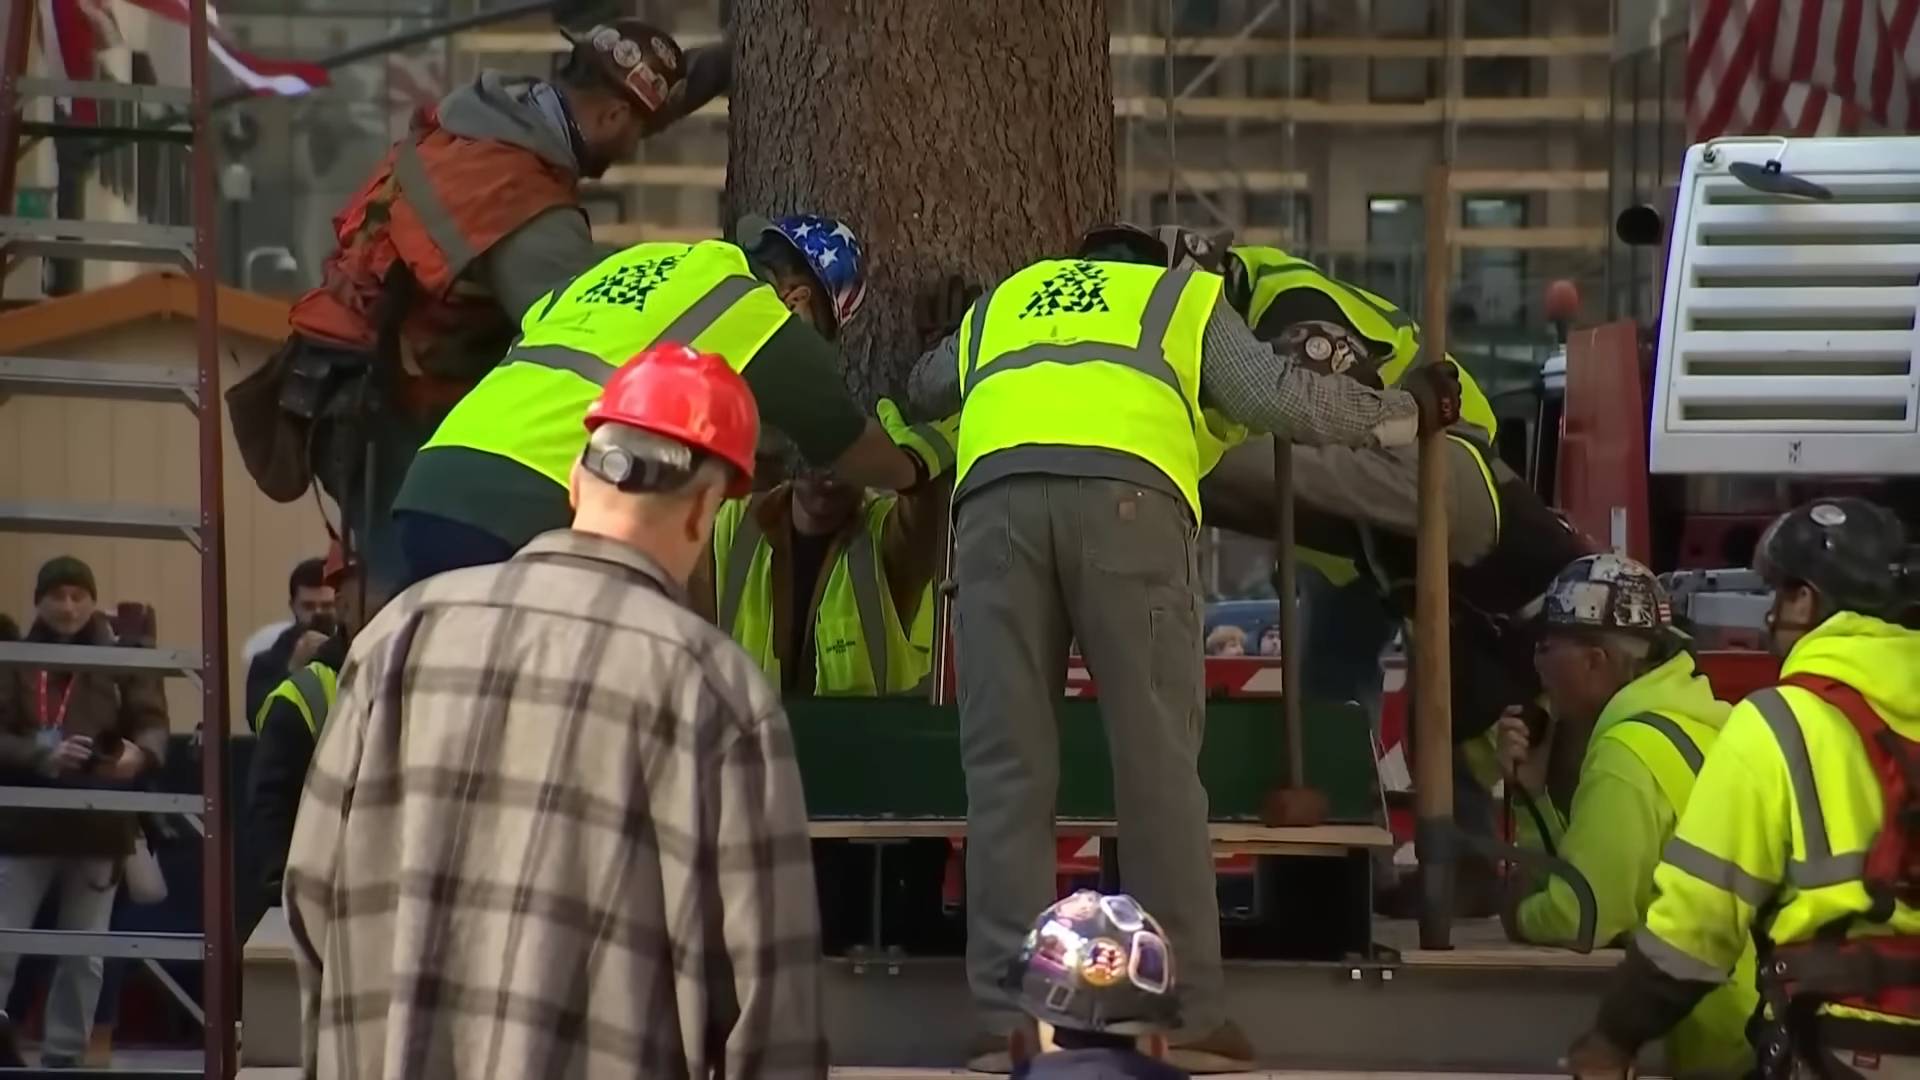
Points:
[[1538, 238], [1471, 180], [1470, 110], [641, 232]]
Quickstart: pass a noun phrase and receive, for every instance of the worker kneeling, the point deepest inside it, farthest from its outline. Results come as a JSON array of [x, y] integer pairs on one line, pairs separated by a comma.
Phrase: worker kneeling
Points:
[[1096, 976], [1801, 833], [1632, 722]]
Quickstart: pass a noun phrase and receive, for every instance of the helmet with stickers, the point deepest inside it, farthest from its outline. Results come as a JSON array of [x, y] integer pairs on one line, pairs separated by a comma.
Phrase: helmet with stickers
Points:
[[1097, 963]]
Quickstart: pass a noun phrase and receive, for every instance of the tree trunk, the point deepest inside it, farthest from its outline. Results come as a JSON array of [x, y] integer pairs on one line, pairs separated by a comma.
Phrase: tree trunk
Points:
[[954, 136]]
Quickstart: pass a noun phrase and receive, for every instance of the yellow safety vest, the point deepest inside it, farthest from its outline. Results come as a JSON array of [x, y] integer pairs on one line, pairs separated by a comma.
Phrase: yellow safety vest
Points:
[[1070, 352], [857, 630], [530, 408], [1712, 1038], [311, 689], [1273, 271]]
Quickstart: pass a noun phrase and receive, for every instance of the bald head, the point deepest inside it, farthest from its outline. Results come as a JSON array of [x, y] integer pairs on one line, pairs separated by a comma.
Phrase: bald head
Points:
[[670, 519]]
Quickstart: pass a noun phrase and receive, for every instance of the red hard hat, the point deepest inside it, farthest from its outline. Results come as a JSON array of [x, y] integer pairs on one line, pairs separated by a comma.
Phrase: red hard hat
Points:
[[689, 397]]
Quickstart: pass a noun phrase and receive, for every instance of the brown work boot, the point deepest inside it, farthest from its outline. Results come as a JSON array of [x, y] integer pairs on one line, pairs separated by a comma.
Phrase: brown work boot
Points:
[[1225, 1049], [991, 1053]]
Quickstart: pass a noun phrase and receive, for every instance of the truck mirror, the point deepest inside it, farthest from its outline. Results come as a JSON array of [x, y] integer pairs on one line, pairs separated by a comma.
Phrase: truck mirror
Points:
[[1640, 226]]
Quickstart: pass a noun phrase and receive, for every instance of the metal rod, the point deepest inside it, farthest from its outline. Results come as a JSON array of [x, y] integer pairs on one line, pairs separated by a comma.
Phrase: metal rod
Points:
[[1432, 647], [221, 973], [1286, 585], [19, 37]]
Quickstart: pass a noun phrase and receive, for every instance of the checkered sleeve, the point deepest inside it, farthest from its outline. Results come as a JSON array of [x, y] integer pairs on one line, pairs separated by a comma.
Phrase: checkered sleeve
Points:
[[770, 925], [1246, 380]]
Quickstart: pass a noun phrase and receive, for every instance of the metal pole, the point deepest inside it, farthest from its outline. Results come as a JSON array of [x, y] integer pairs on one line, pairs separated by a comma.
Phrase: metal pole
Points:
[[221, 972], [1432, 647], [19, 34]]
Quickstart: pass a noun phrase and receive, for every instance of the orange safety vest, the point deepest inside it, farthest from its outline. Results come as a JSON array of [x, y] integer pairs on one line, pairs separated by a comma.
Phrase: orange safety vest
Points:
[[436, 203]]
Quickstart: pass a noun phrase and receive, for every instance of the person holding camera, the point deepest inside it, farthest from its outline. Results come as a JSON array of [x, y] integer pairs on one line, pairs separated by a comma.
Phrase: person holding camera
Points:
[[71, 729], [287, 724]]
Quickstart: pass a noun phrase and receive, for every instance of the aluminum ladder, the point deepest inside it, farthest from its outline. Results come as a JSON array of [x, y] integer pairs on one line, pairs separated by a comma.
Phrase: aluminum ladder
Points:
[[191, 248]]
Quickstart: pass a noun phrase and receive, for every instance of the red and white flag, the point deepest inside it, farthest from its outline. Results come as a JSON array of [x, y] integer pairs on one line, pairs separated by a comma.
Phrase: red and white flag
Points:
[[1802, 67], [72, 32]]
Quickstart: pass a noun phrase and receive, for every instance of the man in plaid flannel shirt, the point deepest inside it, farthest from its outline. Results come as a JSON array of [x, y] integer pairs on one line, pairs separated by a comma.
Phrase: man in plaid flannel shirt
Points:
[[554, 826]]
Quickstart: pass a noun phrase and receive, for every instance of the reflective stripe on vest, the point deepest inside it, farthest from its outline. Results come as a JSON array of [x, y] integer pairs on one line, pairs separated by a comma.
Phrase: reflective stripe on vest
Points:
[[1042, 354], [311, 690], [744, 559], [1672, 750], [411, 173], [530, 409]]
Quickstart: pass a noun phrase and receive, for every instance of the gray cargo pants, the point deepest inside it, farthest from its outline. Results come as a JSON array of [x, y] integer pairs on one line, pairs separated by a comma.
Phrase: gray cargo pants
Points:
[[1041, 561]]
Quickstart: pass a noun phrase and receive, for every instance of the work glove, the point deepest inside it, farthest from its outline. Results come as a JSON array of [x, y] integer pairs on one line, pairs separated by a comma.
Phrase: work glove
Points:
[[1436, 389], [1594, 1057], [932, 445], [938, 309]]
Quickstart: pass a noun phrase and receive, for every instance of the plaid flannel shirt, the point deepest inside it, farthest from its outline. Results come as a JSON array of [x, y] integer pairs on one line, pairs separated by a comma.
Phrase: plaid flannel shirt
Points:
[[554, 828]]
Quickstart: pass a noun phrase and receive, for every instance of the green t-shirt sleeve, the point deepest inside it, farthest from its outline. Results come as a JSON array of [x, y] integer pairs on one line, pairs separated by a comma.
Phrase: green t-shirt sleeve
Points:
[[798, 385]]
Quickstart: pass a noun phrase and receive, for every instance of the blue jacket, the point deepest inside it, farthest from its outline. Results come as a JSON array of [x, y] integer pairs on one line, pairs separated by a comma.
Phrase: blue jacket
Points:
[[1096, 1065]]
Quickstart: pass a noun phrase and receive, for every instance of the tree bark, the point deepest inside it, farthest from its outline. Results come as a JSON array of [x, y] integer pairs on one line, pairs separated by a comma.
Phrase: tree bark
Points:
[[954, 136]]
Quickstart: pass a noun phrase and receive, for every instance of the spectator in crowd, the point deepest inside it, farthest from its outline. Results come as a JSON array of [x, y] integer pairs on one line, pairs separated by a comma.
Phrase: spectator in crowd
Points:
[[554, 824], [1270, 640], [1226, 640], [310, 602], [70, 729], [286, 727]]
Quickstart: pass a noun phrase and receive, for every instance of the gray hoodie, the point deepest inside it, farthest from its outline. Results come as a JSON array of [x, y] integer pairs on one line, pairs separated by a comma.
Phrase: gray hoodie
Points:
[[553, 246]]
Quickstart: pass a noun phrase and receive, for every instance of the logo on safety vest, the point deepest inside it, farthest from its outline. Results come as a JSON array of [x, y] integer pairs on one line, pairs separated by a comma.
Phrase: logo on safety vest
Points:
[[630, 284], [1078, 289]]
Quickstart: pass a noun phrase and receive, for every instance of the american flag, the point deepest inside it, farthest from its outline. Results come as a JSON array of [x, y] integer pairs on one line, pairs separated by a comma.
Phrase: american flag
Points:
[[1801, 67], [72, 33]]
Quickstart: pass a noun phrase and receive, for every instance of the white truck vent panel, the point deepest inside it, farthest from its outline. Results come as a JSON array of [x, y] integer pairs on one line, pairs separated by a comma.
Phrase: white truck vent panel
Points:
[[1788, 333]]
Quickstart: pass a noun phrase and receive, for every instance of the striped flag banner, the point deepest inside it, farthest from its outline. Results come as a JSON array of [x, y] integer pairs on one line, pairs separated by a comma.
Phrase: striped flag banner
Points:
[[1801, 67]]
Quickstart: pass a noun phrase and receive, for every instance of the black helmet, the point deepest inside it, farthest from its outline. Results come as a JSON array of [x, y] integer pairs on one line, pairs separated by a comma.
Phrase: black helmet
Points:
[[1170, 246], [1097, 963], [1851, 552]]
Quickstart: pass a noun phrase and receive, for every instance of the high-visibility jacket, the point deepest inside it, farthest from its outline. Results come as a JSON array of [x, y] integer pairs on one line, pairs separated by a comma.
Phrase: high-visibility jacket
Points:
[[857, 630], [1071, 352], [311, 690], [1636, 778], [530, 409], [1272, 271], [435, 204], [1784, 812]]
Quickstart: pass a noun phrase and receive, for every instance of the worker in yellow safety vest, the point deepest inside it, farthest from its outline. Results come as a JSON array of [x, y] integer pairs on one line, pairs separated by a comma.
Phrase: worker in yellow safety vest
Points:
[[1632, 720], [286, 727], [495, 473], [1801, 832], [1356, 513], [1094, 392], [828, 587]]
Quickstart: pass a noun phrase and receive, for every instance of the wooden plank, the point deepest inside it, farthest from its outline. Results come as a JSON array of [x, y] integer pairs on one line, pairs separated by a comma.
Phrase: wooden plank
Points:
[[641, 232], [1476, 180], [1232, 837], [1534, 238], [1482, 944], [1469, 110]]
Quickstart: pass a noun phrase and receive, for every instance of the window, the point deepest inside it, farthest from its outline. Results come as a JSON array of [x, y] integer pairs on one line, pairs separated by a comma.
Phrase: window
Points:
[[1400, 79], [1496, 76], [1189, 16], [1185, 70], [1396, 235], [1286, 215], [1493, 280], [1183, 210]]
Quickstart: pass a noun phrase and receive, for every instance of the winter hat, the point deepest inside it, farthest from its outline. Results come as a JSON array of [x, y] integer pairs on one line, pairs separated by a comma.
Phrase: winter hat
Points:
[[65, 570]]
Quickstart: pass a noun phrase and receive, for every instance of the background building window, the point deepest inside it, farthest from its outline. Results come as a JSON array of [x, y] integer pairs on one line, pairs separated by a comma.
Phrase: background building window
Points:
[[1496, 76], [1493, 281], [1401, 79], [1278, 217], [1396, 233]]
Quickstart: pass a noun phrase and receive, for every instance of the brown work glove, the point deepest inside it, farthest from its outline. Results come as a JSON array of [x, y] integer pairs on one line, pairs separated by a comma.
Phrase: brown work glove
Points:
[[1436, 388], [1593, 1057], [938, 309]]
